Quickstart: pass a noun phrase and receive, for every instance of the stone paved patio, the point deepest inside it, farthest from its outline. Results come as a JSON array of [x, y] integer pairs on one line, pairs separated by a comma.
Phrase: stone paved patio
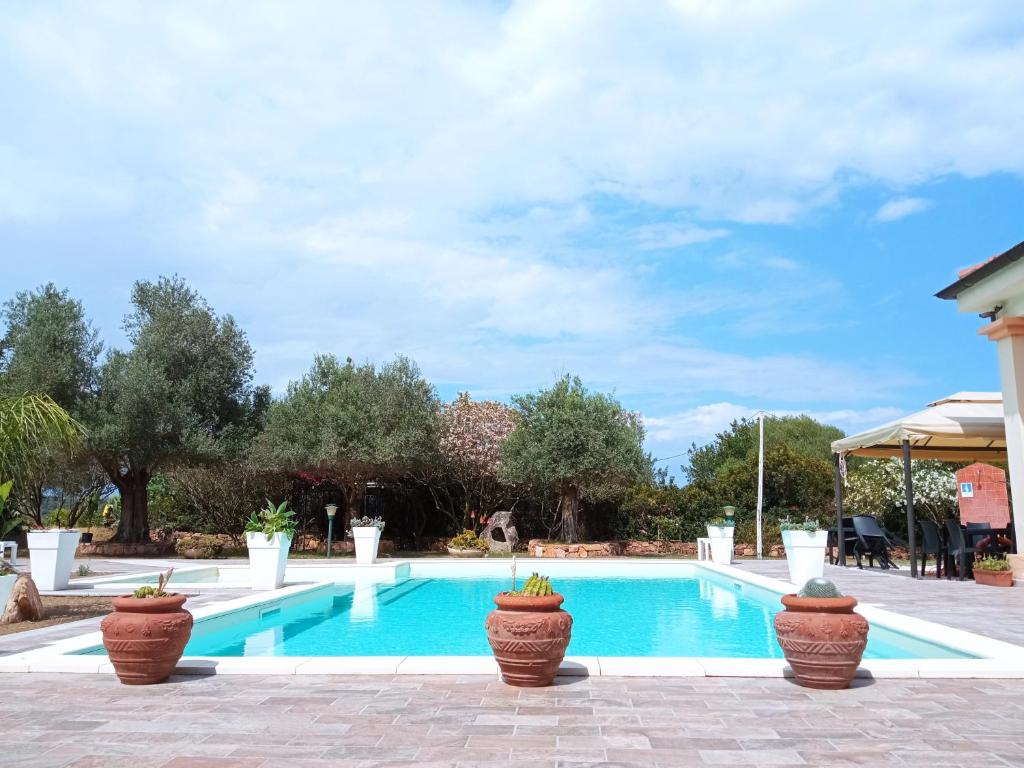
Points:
[[257, 722]]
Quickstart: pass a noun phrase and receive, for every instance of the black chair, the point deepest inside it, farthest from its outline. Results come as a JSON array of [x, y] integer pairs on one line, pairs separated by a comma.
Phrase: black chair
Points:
[[931, 544], [850, 541], [958, 548], [871, 541]]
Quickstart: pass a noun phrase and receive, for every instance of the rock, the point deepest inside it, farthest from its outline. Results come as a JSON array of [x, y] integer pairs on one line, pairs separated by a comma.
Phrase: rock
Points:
[[508, 537], [24, 603]]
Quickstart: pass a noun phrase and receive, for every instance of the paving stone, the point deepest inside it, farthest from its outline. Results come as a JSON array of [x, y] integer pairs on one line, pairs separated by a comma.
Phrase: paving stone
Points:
[[256, 722]]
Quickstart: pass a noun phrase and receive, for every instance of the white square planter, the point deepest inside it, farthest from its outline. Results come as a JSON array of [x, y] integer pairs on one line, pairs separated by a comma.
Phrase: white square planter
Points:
[[721, 543], [6, 587], [267, 559], [805, 555], [51, 555], [367, 539]]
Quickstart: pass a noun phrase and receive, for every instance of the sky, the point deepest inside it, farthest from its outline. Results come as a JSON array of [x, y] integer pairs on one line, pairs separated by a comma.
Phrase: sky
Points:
[[706, 208]]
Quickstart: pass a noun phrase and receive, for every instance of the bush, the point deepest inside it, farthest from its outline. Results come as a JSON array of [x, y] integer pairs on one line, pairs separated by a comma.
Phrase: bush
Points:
[[198, 546], [468, 540]]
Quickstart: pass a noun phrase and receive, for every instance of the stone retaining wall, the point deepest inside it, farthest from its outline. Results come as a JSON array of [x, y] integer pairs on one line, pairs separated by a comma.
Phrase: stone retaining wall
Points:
[[541, 548]]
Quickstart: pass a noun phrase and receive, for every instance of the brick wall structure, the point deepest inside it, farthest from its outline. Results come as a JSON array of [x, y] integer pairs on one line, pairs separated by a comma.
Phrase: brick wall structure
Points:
[[989, 504]]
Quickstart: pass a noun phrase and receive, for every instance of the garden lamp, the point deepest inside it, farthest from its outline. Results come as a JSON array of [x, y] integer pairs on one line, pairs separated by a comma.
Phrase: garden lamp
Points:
[[332, 510], [730, 513]]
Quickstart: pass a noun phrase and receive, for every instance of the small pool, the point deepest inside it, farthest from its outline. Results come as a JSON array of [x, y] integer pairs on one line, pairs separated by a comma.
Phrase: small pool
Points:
[[702, 615]]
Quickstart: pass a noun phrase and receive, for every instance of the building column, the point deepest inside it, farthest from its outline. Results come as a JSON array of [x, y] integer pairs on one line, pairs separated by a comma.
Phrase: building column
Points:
[[1008, 334]]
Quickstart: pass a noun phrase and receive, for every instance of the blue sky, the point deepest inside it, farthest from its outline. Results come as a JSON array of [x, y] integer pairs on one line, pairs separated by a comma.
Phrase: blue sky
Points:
[[708, 208]]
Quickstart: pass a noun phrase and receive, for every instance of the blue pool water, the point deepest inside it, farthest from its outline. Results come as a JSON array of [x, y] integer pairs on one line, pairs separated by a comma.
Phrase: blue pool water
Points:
[[612, 617]]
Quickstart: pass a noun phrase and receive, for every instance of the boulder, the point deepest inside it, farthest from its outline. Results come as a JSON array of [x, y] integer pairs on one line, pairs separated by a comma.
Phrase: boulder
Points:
[[507, 538], [24, 603]]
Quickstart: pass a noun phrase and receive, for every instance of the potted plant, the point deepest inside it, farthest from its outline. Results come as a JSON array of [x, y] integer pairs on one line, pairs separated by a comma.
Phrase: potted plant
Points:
[[268, 536], [993, 572], [821, 636], [529, 632], [147, 633], [467, 544], [52, 553], [365, 533], [720, 531], [805, 549]]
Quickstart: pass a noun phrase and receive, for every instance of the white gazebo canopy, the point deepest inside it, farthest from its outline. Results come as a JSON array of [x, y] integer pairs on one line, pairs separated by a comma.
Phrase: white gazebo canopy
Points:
[[967, 426]]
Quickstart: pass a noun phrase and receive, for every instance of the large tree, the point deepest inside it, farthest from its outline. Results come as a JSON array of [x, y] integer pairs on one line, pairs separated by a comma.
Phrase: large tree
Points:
[[50, 347], [574, 440], [354, 424], [737, 444], [182, 393]]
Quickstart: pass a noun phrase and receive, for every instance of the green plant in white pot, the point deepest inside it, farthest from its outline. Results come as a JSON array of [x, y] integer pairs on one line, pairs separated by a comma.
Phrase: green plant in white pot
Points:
[[268, 536], [720, 531], [805, 549], [365, 533]]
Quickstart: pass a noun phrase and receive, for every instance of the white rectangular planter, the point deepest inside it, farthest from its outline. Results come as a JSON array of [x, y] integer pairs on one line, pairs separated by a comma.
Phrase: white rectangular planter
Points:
[[51, 555], [267, 559], [6, 587], [721, 543], [805, 555], [367, 539]]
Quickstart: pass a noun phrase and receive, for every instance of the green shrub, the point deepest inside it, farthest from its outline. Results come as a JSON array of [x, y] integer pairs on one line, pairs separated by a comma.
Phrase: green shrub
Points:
[[468, 540], [198, 545]]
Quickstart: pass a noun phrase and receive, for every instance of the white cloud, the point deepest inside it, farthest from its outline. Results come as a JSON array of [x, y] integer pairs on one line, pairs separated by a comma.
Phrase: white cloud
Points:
[[467, 183], [901, 207]]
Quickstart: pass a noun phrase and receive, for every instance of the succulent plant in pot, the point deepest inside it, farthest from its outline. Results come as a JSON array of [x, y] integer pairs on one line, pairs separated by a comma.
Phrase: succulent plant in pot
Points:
[[529, 632], [268, 537], [821, 636], [147, 633], [467, 544], [993, 572], [365, 532]]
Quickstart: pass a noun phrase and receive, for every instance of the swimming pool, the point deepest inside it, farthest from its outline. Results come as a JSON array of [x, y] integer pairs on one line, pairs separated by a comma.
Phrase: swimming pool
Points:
[[700, 615]]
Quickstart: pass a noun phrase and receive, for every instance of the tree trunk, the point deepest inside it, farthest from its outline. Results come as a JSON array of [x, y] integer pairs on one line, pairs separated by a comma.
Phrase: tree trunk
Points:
[[354, 495], [133, 527], [570, 503]]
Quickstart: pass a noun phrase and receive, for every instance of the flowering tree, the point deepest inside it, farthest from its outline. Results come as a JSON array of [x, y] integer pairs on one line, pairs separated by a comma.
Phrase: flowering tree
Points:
[[876, 488], [470, 434]]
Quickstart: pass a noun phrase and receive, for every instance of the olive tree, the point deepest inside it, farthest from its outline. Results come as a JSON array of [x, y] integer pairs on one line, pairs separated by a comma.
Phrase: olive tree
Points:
[[50, 347], [182, 393], [354, 424], [573, 440]]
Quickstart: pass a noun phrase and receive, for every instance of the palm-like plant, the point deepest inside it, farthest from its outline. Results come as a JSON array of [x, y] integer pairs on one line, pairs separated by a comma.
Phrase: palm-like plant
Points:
[[30, 425]]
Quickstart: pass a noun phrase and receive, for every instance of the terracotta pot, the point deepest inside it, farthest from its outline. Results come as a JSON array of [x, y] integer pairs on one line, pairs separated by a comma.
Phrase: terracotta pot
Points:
[[145, 637], [822, 638], [472, 552], [529, 636], [993, 578]]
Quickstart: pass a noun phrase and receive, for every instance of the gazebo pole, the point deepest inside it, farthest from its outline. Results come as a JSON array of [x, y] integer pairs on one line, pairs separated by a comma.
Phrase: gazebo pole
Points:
[[908, 487], [841, 558]]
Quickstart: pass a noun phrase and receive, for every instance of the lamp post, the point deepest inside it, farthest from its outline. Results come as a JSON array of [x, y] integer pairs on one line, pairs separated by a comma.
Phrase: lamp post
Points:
[[332, 510]]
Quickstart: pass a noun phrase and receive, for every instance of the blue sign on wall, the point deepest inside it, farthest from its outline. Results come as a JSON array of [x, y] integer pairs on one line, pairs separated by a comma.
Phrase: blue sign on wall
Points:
[[967, 490]]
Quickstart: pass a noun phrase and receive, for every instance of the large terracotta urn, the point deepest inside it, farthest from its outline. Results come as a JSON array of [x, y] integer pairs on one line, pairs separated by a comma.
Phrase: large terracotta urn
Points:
[[822, 638], [529, 636], [145, 637]]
